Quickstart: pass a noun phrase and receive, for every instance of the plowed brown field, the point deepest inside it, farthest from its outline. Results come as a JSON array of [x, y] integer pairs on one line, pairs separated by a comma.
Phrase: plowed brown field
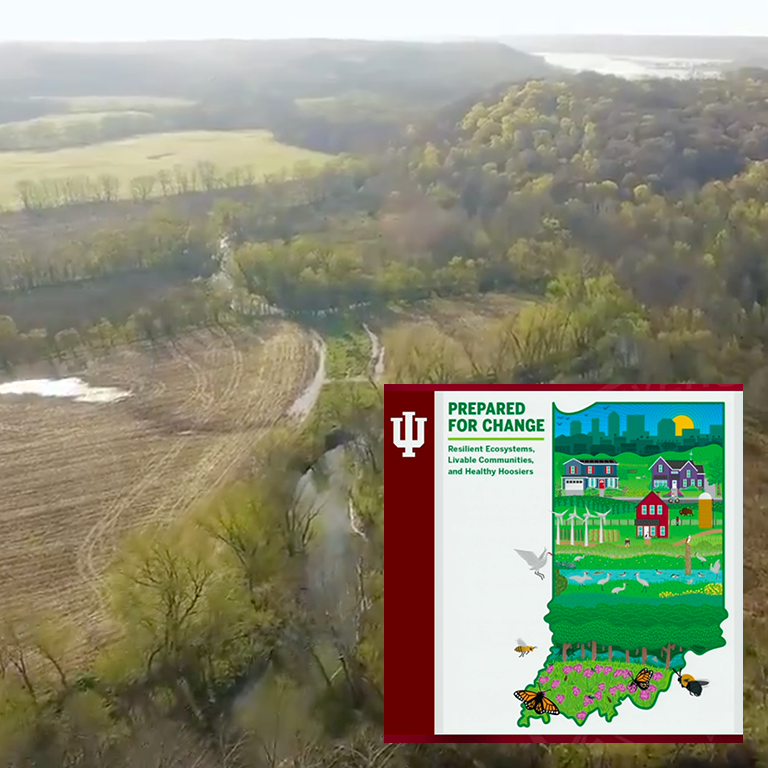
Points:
[[75, 476]]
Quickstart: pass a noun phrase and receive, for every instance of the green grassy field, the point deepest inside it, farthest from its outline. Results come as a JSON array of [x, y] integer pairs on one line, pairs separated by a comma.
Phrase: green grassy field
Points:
[[634, 471], [68, 118], [148, 155], [122, 103]]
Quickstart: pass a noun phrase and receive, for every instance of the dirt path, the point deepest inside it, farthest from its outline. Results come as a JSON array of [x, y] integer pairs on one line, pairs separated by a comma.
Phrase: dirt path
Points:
[[696, 535]]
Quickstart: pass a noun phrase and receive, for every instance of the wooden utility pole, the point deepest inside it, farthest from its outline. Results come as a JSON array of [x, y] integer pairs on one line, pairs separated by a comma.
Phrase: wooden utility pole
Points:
[[688, 571]]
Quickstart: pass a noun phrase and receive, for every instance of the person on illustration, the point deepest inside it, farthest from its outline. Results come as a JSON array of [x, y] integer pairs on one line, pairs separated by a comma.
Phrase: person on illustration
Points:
[[536, 562]]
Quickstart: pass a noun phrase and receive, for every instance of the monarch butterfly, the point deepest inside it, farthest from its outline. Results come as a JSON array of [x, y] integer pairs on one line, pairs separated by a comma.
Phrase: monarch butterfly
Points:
[[538, 702], [641, 680]]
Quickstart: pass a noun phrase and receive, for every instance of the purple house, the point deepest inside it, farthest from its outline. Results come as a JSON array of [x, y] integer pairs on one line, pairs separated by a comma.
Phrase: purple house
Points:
[[677, 474]]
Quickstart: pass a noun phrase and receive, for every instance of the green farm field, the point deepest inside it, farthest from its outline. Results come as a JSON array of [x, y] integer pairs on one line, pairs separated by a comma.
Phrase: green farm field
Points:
[[123, 103], [119, 103], [150, 154], [62, 120]]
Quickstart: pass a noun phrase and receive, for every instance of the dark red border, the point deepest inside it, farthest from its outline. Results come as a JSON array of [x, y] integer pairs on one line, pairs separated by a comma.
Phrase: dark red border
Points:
[[563, 387], [409, 573], [575, 739], [409, 559]]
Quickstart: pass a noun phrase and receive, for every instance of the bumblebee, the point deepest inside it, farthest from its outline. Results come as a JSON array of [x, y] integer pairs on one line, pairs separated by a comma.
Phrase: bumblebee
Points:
[[691, 684], [523, 648]]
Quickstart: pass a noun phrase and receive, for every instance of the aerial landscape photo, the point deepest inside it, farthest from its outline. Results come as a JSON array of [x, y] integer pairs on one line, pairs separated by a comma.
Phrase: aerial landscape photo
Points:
[[223, 231]]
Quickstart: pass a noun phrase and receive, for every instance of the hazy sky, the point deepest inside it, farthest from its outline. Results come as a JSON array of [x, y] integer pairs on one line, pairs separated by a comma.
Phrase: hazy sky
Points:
[[394, 19]]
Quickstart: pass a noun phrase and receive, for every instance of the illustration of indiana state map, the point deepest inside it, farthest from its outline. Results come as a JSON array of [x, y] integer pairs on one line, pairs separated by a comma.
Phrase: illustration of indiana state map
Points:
[[623, 581], [638, 589]]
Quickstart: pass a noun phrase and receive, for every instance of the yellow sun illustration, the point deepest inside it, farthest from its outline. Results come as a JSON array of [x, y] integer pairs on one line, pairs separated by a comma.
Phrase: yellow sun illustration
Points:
[[681, 423]]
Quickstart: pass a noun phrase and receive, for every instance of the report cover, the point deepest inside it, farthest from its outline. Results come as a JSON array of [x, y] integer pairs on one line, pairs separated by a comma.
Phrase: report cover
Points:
[[563, 563]]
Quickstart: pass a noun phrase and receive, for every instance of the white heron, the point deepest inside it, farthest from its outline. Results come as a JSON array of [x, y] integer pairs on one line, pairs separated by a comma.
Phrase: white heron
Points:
[[642, 581], [602, 516], [572, 518], [559, 519], [582, 579], [616, 590], [604, 581], [715, 568], [577, 558], [535, 561], [700, 558]]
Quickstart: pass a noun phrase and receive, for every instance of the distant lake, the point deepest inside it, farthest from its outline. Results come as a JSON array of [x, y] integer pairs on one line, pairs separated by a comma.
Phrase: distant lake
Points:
[[636, 67]]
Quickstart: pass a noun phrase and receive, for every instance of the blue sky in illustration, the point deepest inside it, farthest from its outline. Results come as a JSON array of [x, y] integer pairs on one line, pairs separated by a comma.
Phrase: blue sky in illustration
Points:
[[702, 415]]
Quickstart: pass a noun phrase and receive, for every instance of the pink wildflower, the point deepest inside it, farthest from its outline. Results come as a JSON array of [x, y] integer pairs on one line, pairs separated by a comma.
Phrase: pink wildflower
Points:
[[608, 670], [601, 686], [622, 687], [543, 679], [652, 688], [599, 668], [582, 715], [598, 696], [645, 695], [555, 683], [550, 669], [578, 667], [576, 691], [560, 698], [658, 676], [612, 691], [588, 673], [567, 670]]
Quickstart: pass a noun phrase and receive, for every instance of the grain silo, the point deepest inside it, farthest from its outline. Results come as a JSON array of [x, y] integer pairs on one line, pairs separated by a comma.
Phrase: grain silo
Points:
[[705, 510]]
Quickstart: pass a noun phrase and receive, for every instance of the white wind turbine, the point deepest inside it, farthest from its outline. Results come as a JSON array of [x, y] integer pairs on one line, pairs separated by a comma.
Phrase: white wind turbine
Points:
[[602, 516], [587, 515], [573, 517], [559, 519]]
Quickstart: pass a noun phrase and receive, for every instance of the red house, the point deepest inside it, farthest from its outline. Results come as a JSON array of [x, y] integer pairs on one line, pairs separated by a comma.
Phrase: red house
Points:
[[652, 518]]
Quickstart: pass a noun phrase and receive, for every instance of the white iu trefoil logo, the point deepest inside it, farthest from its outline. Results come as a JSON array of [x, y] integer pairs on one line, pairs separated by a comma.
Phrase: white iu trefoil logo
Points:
[[408, 442]]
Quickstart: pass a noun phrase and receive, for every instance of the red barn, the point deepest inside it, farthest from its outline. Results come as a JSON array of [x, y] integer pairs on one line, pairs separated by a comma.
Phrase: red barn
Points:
[[652, 518]]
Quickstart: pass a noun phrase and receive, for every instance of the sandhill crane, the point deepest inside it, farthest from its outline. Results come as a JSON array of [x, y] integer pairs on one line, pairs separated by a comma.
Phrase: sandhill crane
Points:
[[577, 558], [604, 581], [616, 590], [581, 579], [715, 568], [572, 518], [535, 561], [642, 581], [559, 519], [602, 516]]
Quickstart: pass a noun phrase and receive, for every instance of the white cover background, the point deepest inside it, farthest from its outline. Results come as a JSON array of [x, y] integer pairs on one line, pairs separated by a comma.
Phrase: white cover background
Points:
[[486, 596]]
